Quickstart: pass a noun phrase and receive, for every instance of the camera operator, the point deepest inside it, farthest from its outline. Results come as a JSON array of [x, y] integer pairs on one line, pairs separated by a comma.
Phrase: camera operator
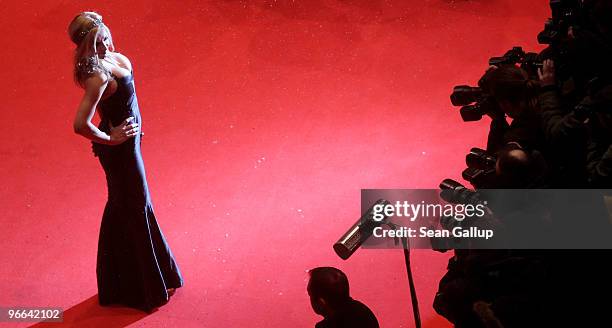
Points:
[[599, 149], [579, 139], [516, 97], [579, 133], [565, 132], [512, 283], [520, 168], [572, 97]]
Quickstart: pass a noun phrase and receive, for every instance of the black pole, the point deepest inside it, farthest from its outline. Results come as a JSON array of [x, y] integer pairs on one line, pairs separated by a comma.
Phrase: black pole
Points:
[[413, 295]]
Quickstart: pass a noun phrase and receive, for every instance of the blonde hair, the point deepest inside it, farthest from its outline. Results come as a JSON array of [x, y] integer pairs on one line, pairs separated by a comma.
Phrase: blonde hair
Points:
[[84, 31]]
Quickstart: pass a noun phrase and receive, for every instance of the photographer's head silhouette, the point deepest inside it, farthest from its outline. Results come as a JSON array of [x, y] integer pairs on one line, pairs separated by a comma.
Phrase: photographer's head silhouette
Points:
[[328, 289]]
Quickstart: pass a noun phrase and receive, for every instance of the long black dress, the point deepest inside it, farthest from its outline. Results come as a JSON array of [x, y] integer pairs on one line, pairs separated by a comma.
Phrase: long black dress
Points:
[[135, 265]]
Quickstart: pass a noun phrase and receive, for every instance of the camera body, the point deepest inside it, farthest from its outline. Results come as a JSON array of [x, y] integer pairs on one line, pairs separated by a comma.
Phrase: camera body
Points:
[[528, 61], [480, 171], [454, 193], [475, 103]]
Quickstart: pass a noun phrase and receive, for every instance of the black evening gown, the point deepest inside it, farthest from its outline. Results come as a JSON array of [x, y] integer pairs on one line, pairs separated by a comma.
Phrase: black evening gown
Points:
[[135, 265]]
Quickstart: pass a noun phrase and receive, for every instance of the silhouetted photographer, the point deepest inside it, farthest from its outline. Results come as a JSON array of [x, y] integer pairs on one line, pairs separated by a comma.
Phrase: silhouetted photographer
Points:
[[328, 289]]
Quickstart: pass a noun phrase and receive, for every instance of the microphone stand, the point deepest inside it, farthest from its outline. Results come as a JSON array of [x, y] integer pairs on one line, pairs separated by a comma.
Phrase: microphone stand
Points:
[[413, 295]]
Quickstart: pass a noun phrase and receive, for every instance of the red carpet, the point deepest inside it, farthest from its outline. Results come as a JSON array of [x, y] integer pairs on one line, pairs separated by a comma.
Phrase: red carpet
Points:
[[263, 121]]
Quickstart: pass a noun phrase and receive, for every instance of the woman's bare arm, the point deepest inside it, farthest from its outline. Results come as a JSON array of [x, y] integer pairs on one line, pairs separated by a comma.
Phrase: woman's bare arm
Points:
[[94, 88]]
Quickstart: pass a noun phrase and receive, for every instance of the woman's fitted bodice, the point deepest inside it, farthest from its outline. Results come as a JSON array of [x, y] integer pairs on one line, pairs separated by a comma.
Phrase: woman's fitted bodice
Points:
[[118, 107]]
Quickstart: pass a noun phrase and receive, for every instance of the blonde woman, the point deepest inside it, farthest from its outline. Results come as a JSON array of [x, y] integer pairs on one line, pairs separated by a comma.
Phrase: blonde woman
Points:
[[135, 266]]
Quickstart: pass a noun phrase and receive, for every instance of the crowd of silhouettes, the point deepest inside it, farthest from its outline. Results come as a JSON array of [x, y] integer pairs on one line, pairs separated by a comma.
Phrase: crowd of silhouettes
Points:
[[551, 128]]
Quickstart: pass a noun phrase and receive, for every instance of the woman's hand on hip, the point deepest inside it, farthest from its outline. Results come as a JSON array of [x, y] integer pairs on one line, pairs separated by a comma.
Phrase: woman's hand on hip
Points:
[[119, 134]]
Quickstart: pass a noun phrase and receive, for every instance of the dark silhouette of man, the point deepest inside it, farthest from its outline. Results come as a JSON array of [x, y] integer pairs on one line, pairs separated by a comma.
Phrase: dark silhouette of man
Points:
[[328, 289]]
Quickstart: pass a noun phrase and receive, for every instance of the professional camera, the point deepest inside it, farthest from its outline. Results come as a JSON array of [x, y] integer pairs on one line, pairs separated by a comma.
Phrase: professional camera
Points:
[[452, 192], [480, 159], [481, 169], [529, 61], [474, 101], [456, 193]]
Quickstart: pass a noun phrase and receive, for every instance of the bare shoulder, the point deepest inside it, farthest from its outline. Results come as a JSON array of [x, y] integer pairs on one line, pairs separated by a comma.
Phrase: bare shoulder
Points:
[[96, 81], [123, 60]]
